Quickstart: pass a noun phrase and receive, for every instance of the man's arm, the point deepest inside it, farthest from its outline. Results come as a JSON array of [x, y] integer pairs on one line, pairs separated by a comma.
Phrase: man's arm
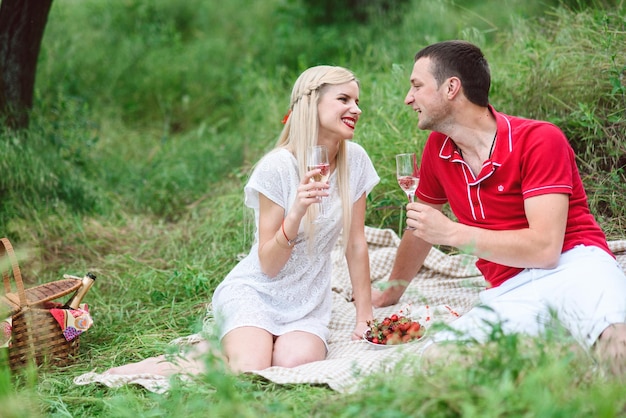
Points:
[[538, 246], [409, 259]]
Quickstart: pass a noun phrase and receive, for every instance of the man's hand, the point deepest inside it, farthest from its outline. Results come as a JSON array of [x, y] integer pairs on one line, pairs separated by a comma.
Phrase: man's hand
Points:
[[430, 224], [381, 298]]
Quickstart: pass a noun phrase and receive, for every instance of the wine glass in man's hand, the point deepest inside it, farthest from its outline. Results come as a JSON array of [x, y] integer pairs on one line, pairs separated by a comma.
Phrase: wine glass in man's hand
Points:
[[407, 174]]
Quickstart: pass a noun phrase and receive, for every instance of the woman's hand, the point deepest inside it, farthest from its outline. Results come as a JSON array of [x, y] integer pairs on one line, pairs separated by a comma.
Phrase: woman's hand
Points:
[[359, 330], [309, 192]]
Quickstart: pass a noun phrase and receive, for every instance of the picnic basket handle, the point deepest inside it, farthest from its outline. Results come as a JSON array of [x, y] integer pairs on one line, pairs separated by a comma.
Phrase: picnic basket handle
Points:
[[7, 249]]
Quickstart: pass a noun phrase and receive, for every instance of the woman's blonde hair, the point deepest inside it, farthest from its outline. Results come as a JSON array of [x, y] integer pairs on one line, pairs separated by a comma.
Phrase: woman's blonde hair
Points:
[[301, 130]]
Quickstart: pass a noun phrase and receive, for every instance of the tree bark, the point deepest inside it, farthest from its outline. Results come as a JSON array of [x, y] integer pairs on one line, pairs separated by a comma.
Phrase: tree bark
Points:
[[22, 24]]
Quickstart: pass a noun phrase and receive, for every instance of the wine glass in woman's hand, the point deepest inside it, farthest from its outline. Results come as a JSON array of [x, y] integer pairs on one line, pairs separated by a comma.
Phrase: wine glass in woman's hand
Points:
[[407, 174], [318, 159]]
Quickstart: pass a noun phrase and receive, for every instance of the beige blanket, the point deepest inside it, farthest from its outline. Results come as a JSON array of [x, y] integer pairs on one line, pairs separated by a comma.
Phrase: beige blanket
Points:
[[446, 283]]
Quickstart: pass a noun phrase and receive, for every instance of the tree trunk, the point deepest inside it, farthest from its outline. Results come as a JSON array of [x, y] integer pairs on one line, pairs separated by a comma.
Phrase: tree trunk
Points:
[[22, 24]]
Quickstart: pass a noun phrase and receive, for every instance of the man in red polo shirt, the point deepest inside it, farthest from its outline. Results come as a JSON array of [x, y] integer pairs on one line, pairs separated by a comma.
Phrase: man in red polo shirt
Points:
[[514, 187]]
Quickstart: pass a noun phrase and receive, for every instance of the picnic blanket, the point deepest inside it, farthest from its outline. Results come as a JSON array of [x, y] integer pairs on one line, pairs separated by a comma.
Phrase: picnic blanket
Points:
[[446, 285]]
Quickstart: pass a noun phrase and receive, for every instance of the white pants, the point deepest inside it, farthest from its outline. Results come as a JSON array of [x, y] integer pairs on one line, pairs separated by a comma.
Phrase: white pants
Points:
[[585, 294]]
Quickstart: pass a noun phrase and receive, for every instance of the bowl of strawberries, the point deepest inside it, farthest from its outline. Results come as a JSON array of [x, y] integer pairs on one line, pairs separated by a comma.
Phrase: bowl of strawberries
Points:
[[393, 330]]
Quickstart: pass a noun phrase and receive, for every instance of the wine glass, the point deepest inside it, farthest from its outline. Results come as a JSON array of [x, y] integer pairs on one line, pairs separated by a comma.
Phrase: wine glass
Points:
[[407, 174], [318, 159]]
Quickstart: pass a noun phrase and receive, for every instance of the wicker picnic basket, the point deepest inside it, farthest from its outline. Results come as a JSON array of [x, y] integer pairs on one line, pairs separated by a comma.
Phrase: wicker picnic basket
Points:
[[36, 335]]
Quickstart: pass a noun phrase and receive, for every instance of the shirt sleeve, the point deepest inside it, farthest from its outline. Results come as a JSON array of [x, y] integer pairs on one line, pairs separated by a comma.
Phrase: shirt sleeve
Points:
[[547, 162], [363, 175], [274, 177]]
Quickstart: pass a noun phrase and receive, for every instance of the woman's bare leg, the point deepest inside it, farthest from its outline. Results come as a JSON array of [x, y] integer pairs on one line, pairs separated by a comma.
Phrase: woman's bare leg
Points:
[[248, 349], [245, 348], [191, 362], [297, 347]]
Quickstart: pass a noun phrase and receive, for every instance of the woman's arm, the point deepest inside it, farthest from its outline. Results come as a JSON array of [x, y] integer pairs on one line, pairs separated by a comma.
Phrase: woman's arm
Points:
[[277, 231], [274, 250], [357, 257]]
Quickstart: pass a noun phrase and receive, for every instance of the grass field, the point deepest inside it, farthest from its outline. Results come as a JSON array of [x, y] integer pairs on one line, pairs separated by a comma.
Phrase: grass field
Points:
[[148, 117]]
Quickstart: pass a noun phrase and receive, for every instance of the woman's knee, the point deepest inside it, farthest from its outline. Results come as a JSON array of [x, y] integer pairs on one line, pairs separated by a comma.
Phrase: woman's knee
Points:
[[248, 349], [297, 348]]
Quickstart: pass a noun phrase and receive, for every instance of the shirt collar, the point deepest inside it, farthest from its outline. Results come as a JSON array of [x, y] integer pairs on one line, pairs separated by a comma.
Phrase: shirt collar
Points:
[[501, 149]]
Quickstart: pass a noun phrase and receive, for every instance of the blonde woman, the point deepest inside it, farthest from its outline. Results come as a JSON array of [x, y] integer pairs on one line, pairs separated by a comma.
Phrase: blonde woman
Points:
[[273, 309]]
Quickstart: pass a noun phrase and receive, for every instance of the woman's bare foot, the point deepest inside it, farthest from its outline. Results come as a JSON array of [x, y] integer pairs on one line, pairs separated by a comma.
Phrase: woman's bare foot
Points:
[[191, 362]]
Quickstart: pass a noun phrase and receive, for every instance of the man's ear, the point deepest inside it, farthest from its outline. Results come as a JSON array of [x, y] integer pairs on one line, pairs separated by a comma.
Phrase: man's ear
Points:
[[453, 86]]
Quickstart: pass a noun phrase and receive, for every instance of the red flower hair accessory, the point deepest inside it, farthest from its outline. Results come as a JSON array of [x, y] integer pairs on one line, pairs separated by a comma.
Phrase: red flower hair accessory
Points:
[[286, 117]]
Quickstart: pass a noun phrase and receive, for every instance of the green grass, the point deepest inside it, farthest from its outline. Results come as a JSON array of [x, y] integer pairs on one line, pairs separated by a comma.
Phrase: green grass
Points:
[[148, 118]]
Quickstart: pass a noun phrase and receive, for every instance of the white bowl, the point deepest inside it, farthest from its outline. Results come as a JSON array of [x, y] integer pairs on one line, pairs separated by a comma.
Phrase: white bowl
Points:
[[379, 346]]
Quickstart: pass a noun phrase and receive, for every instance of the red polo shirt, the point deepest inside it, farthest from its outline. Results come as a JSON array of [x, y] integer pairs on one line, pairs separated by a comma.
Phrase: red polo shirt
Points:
[[529, 158]]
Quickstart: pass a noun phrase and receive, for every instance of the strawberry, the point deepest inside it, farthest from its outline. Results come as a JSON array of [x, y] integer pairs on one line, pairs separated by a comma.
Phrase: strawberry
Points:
[[394, 339], [415, 326], [395, 329]]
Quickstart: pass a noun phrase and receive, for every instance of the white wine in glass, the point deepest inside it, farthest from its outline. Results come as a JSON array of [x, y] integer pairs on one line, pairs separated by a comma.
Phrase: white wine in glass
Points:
[[407, 174], [318, 159]]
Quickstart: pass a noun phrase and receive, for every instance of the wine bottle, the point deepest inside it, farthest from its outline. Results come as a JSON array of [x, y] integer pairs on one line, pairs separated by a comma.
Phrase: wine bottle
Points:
[[78, 296]]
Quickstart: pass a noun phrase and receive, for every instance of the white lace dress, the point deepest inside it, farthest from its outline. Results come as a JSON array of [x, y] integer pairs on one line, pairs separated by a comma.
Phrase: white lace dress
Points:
[[299, 297]]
